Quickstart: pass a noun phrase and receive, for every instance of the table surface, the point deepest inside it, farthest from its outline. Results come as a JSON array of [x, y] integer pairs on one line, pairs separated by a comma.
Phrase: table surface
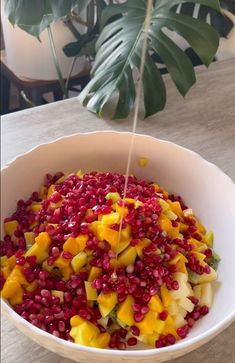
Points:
[[204, 121]]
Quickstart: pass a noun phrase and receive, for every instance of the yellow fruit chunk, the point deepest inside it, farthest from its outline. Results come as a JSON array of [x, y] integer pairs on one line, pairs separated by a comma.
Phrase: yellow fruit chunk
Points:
[[36, 207], [127, 257], [17, 298], [165, 295], [91, 293], [76, 320], [200, 227], [3, 260], [159, 326], [75, 245], [165, 206], [79, 261], [165, 223], [209, 238], [17, 275], [43, 240], [66, 272], [10, 227], [110, 218], [113, 196], [94, 226], [122, 211], [10, 288], [143, 162], [143, 242], [11, 262], [62, 262], [146, 326], [94, 273], [126, 232], [51, 190], [58, 294], [199, 256], [107, 302], [46, 267], [80, 174], [84, 333], [108, 234], [32, 286], [155, 304], [29, 237], [125, 311], [176, 208], [151, 339], [183, 227], [42, 192], [5, 271], [101, 341], [122, 245]]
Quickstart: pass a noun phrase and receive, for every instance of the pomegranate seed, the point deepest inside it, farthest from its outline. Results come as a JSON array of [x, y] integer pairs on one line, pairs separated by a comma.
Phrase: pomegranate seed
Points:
[[163, 315], [204, 310], [170, 339], [132, 341], [121, 346], [138, 316], [135, 330], [175, 285], [55, 252]]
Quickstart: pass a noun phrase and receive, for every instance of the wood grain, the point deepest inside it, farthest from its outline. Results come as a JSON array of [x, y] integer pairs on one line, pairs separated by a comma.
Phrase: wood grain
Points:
[[204, 122]]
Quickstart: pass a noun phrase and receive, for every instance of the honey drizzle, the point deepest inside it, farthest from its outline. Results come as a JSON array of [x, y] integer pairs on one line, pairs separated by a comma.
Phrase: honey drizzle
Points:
[[135, 119]]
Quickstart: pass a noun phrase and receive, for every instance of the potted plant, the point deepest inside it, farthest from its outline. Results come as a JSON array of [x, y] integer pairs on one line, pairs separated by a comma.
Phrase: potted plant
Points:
[[117, 49]]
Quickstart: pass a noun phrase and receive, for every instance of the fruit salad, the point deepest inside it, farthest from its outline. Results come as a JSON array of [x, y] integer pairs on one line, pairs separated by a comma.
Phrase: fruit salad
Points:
[[80, 261]]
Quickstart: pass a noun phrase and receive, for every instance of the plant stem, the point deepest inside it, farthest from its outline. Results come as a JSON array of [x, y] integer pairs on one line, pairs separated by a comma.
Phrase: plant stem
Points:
[[56, 63]]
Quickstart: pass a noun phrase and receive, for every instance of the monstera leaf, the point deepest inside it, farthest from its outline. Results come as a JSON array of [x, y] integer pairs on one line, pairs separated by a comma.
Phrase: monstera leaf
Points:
[[34, 16], [119, 52]]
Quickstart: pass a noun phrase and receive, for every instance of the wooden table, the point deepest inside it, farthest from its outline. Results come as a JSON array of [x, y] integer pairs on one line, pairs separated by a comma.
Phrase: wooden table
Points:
[[203, 122]]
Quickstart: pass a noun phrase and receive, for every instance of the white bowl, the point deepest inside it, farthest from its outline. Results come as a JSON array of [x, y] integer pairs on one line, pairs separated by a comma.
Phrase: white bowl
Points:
[[202, 185]]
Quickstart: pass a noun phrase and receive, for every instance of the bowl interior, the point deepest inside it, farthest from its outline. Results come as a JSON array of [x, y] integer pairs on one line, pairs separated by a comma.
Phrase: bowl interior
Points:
[[202, 185]]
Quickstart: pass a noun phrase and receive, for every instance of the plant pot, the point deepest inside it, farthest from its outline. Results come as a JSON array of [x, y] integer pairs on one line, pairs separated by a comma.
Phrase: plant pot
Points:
[[27, 57]]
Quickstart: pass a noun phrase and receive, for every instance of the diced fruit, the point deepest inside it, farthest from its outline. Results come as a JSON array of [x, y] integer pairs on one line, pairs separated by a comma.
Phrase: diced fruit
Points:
[[91, 293], [17, 298], [143, 242], [29, 237], [206, 295], [127, 257], [165, 295], [76, 320], [111, 218], [186, 304], [32, 286], [200, 279], [122, 245], [159, 326], [125, 311], [94, 273], [179, 321], [126, 232], [79, 261], [155, 304], [101, 341], [51, 190], [146, 326], [75, 245], [108, 234], [173, 308], [10, 227], [37, 251], [113, 196], [10, 288], [165, 206], [150, 339], [209, 238], [197, 291], [107, 302], [84, 333], [36, 207], [66, 272], [43, 240]]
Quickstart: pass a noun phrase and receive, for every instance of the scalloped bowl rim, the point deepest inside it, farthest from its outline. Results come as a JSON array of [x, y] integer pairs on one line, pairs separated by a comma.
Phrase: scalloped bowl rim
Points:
[[198, 340]]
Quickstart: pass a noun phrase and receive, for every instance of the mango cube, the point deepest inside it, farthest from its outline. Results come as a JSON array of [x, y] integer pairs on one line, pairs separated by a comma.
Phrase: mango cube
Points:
[[79, 261], [91, 292], [113, 196], [107, 302], [155, 304], [110, 218], [125, 311], [143, 242], [165, 295], [43, 240], [29, 237], [127, 257], [146, 326], [101, 341], [10, 227], [94, 273]]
